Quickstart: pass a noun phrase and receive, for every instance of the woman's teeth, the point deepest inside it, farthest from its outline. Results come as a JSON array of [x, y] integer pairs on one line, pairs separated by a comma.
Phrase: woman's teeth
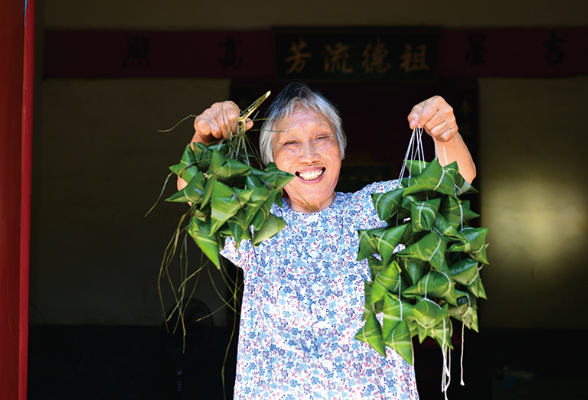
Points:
[[310, 175]]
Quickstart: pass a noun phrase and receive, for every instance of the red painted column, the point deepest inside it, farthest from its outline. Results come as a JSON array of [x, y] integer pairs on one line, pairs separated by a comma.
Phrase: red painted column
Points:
[[26, 165], [15, 155]]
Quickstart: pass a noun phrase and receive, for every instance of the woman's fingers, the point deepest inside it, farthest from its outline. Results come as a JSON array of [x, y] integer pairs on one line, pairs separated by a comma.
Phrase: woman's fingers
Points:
[[217, 122], [436, 116]]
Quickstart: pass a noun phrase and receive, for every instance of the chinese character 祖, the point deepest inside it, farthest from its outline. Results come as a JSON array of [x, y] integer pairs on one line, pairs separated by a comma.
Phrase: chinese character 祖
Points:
[[137, 49], [373, 59], [230, 59], [298, 58], [336, 59], [475, 53], [414, 60], [555, 54]]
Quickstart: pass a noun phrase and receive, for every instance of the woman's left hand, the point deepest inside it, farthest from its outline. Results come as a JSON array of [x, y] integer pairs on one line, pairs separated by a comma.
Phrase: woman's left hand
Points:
[[438, 120], [436, 116]]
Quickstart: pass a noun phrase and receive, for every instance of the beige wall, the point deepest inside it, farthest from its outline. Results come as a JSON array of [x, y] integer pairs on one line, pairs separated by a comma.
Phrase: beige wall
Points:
[[99, 163]]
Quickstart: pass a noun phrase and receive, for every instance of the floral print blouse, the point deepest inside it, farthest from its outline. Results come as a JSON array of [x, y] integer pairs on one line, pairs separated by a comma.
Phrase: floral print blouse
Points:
[[302, 307]]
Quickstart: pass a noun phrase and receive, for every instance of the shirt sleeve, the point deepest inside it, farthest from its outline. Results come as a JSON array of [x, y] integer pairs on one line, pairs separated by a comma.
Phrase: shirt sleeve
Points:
[[369, 217], [243, 257]]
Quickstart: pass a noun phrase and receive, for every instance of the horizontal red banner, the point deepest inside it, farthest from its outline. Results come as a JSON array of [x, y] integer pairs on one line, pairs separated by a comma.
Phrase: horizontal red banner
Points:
[[251, 54]]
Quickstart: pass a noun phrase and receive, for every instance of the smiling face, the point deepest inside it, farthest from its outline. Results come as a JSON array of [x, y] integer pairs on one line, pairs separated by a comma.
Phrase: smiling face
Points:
[[305, 145]]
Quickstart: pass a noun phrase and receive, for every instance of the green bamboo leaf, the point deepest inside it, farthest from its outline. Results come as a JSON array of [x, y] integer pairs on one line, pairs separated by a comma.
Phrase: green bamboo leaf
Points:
[[208, 189], [462, 186], [207, 242], [386, 240], [394, 311], [444, 228], [415, 167], [416, 269], [386, 281], [371, 333], [186, 168], [433, 284], [375, 267], [264, 211], [193, 192], [422, 214], [387, 204], [430, 248], [226, 202], [442, 333], [367, 246], [273, 176], [269, 229], [464, 271], [227, 169], [475, 244], [456, 212], [477, 288], [434, 177], [428, 313], [400, 340]]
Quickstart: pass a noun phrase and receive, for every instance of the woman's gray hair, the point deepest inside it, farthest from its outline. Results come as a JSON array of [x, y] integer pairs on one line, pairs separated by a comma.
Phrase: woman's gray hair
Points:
[[297, 94]]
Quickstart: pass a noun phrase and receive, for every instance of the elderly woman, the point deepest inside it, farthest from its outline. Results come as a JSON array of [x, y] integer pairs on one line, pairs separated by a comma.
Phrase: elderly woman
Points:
[[304, 292]]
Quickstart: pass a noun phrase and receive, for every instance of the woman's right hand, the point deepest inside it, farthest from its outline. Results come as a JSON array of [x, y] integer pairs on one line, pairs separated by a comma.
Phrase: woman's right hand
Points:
[[217, 122]]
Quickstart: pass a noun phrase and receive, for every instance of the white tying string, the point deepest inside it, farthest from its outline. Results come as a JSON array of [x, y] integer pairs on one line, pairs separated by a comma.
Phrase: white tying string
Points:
[[413, 152], [446, 374], [461, 382]]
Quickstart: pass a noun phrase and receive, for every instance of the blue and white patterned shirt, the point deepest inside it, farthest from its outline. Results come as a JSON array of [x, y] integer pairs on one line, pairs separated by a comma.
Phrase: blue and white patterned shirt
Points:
[[302, 306]]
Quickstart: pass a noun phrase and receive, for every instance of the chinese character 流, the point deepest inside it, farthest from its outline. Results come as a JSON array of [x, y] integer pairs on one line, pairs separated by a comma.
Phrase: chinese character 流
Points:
[[336, 59]]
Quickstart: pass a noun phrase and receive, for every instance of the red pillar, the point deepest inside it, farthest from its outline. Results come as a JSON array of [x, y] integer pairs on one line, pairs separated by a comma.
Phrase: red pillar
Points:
[[16, 89]]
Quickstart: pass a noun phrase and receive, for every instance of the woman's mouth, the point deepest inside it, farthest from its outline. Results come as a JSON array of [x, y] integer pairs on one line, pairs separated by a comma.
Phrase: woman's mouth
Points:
[[310, 175]]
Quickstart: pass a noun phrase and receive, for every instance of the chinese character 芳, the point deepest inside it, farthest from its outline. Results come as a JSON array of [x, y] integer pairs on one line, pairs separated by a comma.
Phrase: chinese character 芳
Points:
[[475, 53], [137, 50], [231, 59], [414, 60], [297, 58], [374, 58], [555, 54], [336, 58]]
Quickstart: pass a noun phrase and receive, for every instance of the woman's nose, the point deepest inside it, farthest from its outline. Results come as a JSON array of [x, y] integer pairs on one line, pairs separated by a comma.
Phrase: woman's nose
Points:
[[308, 152]]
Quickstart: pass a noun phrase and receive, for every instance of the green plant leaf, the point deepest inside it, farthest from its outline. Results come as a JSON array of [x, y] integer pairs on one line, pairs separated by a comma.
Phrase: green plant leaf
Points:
[[400, 340], [434, 177], [428, 313], [186, 168], [193, 192], [367, 246], [226, 202], [371, 333], [415, 268], [270, 228], [464, 271], [207, 242], [386, 240], [444, 228], [422, 214], [386, 281], [394, 311], [430, 248], [387, 204], [433, 284], [475, 244]]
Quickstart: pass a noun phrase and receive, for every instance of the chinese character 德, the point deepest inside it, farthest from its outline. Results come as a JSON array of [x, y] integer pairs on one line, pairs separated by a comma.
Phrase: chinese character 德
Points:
[[373, 58], [137, 49], [414, 60], [230, 59], [336, 59], [298, 58]]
